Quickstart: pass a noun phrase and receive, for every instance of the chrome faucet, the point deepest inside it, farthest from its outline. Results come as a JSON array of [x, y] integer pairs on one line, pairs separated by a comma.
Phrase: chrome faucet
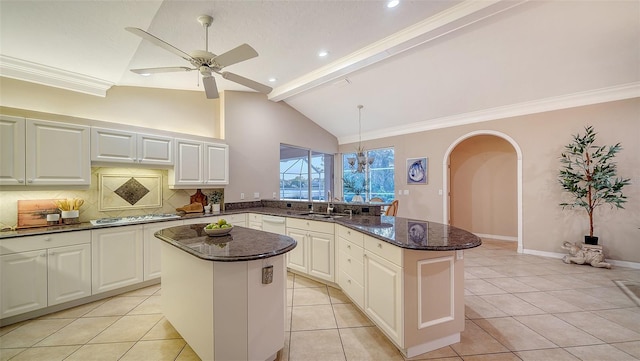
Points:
[[329, 206]]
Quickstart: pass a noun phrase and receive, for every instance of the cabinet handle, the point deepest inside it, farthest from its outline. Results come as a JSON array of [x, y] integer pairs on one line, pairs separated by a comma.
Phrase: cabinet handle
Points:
[[349, 232], [20, 180], [349, 281], [43, 254], [379, 245], [349, 260], [29, 180], [349, 246]]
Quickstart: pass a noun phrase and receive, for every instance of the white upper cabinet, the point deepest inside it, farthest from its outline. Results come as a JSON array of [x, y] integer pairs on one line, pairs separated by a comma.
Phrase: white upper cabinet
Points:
[[199, 164], [12, 150], [120, 146], [41, 152]]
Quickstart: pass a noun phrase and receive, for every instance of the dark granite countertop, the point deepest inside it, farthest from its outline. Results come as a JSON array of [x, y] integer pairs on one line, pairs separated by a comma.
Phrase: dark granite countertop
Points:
[[402, 232], [241, 244]]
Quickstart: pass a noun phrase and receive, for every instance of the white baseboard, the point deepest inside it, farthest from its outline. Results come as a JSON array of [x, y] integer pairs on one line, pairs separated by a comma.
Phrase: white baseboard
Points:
[[634, 265], [498, 237]]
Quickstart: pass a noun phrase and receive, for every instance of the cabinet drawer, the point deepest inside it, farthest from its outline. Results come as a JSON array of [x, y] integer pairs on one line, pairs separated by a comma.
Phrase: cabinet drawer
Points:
[[31, 243], [207, 220], [383, 249], [352, 288], [351, 249], [236, 219], [352, 266], [351, 235], [307, 225], [254, 217]]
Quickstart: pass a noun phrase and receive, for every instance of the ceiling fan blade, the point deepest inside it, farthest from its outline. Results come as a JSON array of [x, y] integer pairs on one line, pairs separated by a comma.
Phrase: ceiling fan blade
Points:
[[166, 69], [247, 82], [159, 42], [210, 87], [236, 55]]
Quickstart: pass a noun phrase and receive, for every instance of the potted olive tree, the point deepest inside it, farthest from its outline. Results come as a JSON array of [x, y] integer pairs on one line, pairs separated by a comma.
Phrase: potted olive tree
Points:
[[588, 174]]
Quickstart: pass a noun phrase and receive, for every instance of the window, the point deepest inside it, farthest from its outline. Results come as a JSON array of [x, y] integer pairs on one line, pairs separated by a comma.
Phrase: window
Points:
[[305, 174], [376, 181]]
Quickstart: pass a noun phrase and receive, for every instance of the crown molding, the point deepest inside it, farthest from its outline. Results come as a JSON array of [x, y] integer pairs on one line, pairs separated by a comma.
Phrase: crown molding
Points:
[[602, 95], [450, 20], [37, 73]]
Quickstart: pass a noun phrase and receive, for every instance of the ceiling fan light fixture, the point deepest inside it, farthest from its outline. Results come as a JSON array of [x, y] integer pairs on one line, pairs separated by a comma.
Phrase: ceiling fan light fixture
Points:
[[393, 3], [323, 53]]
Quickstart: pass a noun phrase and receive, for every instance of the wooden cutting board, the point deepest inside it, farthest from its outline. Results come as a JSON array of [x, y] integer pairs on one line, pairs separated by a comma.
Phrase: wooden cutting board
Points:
[[33, 213]]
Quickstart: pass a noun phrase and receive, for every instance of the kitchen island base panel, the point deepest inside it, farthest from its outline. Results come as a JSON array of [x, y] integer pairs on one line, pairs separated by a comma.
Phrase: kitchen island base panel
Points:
[[236, 322]]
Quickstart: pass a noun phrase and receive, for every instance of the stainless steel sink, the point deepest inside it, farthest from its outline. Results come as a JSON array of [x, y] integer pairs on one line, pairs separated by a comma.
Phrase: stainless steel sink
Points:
[[321, 215]]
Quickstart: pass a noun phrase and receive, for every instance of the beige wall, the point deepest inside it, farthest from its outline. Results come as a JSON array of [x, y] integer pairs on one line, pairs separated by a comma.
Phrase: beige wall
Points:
[[170, 110], [541, 138], [254, 128], [483, 187]]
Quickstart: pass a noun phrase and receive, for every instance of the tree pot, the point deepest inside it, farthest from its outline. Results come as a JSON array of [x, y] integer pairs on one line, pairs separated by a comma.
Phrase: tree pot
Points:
[[590, 240]]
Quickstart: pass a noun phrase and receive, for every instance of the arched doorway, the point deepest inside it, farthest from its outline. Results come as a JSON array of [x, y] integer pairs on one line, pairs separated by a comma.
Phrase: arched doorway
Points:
[[483, 222]]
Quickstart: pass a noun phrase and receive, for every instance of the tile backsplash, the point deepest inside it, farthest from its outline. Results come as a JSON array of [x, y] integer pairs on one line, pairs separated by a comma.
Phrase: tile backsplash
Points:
[[167, 199]]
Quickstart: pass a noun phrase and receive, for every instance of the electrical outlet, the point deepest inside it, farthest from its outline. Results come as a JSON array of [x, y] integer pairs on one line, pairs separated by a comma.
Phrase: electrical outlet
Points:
[[459, 254], [274, 195], [241, 195], [405, 192], [256, 195], [440, 192]]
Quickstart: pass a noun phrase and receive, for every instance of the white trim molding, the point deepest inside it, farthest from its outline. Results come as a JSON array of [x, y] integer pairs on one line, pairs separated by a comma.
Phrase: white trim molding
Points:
[[498, 237], [618, 263], [423, 303], [457, 17], [584, 98], [40, 74]]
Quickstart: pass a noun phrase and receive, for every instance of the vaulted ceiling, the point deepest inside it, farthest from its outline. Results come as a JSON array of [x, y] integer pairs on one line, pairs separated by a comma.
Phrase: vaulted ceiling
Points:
[[421, 65]]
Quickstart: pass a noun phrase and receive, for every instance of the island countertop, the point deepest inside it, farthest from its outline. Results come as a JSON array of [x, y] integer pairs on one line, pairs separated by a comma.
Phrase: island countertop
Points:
[[241, 244]]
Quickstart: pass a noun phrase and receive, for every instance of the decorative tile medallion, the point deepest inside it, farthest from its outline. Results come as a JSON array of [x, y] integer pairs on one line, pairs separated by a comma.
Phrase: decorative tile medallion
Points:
[[132, 191], [129, 191]]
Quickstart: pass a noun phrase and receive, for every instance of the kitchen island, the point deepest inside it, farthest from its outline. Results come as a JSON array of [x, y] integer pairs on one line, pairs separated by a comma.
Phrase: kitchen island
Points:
[[225, 295]]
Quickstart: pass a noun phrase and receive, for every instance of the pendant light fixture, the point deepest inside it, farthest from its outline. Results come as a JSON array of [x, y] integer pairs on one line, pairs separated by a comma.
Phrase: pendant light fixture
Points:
[[358, 164]]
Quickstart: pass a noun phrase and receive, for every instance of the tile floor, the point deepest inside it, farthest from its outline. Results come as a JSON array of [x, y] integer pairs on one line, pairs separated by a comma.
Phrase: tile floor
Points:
[[518, 307]]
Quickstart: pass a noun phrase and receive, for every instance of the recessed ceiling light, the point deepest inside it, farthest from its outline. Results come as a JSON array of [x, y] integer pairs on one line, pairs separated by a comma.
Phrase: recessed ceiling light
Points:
[[323, 53], [393, 3], [145, 74], [272, 80]]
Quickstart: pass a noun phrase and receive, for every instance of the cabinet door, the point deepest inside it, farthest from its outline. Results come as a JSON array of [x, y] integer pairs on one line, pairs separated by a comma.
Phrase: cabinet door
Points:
[[321, 255], [57, 153], [154, 149], [111, 145], [216, 160], [23, 285], [297, 257], [69, 276], [382, 294], [12, 150], [152, 263], [116, 257], [187, 170]]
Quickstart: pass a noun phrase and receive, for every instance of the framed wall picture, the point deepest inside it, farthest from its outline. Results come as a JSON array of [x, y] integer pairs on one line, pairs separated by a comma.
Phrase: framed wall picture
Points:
[[417, 170]]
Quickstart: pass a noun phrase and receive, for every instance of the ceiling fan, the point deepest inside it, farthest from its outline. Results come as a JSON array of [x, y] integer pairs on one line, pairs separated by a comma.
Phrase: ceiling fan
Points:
[[205, 62]]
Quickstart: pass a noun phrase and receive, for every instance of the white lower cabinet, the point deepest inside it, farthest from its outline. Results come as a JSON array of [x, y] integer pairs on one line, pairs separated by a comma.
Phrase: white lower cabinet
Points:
[[314, 254], [383, 294], [117, 257], [69, 276], [152, 256], [24, 282], [254, 221], [44, 270], [350, 266]]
